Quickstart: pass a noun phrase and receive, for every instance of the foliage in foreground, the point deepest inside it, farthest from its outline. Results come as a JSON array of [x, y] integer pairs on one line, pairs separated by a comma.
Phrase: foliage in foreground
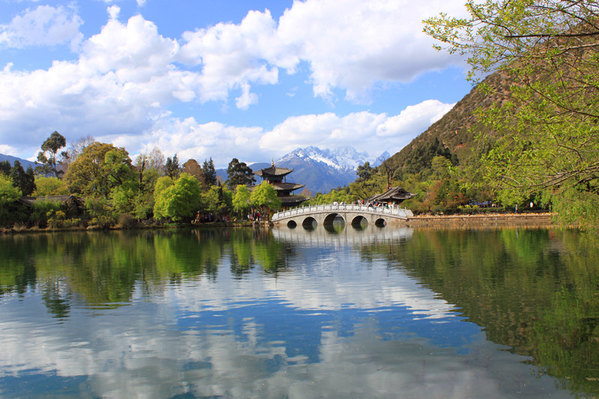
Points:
[[548, 142]]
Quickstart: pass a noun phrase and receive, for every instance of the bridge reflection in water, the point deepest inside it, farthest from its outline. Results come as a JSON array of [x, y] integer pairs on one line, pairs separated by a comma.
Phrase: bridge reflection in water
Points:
[[345, 235], [356, 215]]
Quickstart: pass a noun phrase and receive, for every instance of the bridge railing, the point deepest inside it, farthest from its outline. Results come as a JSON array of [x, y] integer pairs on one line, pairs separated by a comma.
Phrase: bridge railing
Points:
[[308, 210]]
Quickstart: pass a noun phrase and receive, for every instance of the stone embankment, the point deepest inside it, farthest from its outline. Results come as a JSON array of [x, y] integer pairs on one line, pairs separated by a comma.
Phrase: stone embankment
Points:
[[486, 221]]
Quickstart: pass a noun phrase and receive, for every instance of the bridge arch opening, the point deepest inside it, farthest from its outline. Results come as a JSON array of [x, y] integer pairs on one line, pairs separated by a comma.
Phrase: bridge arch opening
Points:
[[292, 224], [380, 222], [309, 223], [334, 223], [359, 222]]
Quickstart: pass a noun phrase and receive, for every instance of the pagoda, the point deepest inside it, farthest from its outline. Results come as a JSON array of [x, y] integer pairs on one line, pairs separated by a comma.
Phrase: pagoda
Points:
[[277, 178]]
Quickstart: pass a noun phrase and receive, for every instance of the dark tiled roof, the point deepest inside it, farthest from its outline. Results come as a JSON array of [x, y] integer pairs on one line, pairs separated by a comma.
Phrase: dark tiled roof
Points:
[[397, 194], [292, 200], [286, 186], [48, 198], [273, 171]]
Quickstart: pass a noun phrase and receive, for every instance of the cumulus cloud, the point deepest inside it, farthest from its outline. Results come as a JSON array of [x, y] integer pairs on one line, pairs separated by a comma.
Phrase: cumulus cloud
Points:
[[190, 139], [373, 133], [349, 44], [128, 75], [413, 119], [358, 43], [42, 26]]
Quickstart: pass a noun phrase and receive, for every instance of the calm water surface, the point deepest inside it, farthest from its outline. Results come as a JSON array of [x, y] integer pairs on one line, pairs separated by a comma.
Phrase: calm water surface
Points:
[[378, 313]]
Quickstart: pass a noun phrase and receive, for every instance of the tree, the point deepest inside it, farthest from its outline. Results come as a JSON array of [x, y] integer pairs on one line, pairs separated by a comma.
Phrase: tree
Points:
[[9, 194], [98, 169], [193, 168], [179, 200], [47, 157], [24, 181], [75, 149], [209, 172], [8, 191], [265, 195], [172, 168], [45, 186], [239, 173], [5, 168], [241, 199], [217, 199], [547, 121], [365, 171]]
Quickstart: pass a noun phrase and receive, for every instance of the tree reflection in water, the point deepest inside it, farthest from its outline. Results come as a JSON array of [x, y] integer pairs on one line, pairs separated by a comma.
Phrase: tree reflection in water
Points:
[[536, 291]]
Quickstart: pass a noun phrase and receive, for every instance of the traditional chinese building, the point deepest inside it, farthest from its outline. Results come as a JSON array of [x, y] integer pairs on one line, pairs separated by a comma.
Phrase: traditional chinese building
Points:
[[277, 177], [393, 196]]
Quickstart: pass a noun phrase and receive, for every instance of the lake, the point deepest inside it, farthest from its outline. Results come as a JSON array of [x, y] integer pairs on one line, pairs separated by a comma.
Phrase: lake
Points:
[[243, 313]]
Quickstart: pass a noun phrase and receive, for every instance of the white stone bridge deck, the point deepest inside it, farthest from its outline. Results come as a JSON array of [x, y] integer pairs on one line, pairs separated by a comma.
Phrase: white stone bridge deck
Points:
[[351, 214]]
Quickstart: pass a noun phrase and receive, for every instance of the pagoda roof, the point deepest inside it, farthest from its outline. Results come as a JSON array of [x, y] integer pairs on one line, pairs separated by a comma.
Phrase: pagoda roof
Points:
[[395, 194], [292, 200], [286, 186], [273, 171]]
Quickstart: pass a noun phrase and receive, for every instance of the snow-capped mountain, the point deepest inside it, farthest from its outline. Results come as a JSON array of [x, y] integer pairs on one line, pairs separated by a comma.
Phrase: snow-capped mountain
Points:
[[381, 158], [342, 158], [322, 170]]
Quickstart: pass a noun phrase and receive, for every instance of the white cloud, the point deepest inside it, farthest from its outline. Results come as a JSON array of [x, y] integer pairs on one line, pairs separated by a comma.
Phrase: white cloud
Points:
[[349, 44], [189, 139], [354, 43], [128, 74], [415, 118], [366, 131], [42, 26], [232, 56]]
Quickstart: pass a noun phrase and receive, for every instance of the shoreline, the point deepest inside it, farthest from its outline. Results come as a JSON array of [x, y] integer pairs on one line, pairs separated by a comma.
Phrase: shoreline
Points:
[[480, 221], [483, 221]]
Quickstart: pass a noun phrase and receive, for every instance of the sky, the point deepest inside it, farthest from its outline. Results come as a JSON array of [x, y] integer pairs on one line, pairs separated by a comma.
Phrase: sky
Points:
[[221, 79]]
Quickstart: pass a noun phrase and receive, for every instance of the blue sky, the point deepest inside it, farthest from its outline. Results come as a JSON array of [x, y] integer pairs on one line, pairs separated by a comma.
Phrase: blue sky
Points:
[[223, 79]]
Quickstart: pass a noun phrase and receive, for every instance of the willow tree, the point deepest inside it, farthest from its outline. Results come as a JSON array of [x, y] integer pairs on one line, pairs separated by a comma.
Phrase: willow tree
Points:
[[546, 124]]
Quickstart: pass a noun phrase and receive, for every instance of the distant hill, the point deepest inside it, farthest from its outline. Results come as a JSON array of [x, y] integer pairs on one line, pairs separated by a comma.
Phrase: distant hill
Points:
[[452, 132], [24, 163]]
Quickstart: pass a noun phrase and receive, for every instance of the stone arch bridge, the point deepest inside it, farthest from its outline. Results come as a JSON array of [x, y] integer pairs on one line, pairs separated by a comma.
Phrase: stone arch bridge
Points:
[[355, 215]]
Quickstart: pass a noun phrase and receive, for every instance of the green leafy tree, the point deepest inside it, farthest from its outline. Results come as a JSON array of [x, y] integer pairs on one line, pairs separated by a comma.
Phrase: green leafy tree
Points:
[[265, 195], [365, 171], [217, 200], [45, 186], [24, 181], [99, 169], [239, 173], [241, 199], [547, 121], [178, 201], [9, 194], [48, 156], [5, 168]]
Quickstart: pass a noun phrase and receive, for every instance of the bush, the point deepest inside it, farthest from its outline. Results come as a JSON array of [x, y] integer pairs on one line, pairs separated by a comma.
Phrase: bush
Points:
[[42, 211], [126, 221]]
